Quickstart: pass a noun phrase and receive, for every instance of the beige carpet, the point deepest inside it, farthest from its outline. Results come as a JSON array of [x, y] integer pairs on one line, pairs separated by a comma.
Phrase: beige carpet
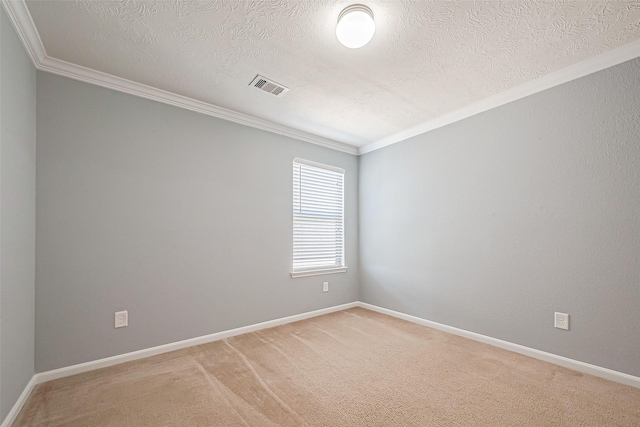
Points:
[[351, 368]]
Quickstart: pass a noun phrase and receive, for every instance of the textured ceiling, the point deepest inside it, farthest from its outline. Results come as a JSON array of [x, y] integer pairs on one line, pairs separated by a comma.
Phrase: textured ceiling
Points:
[[426, 59]]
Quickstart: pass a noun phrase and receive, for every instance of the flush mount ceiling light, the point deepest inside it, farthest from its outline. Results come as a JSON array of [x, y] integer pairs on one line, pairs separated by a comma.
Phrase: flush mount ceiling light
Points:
[[355, 26]]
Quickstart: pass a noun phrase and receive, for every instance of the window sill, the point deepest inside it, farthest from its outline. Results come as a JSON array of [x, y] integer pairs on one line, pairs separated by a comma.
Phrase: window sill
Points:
[[297, 274]]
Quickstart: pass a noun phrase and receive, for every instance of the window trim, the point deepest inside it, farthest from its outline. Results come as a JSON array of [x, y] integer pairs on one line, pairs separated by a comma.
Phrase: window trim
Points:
[[307, 273], [328, 270], [318, 165]]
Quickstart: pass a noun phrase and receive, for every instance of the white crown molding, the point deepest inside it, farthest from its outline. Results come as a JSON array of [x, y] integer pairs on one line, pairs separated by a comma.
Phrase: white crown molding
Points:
[[565, 362], [98, 78], [27, 33], [26, 29], [589, 66]]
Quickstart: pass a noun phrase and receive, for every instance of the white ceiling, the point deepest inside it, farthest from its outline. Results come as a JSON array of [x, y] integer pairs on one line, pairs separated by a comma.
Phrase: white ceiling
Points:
[[427, 58]]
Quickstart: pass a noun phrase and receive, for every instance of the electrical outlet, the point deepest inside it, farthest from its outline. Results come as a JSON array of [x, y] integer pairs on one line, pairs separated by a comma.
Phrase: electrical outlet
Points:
[[122, 319], [325, 286], [561, 321]]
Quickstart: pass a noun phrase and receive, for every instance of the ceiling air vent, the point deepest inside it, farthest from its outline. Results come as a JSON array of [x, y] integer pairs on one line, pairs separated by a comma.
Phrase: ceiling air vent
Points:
[[267, 85]]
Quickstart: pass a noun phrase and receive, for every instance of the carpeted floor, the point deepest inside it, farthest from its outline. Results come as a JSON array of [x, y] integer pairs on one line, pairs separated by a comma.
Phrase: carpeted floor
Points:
[[351, 368]]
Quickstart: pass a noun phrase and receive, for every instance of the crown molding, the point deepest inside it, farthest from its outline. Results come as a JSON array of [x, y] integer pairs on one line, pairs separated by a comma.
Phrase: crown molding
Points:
[[26, 29], [589, 66], [27, 33], [98, 78]]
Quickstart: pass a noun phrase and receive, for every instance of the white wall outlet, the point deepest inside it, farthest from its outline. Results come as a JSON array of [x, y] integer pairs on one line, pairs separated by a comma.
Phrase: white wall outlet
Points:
[[561, 321], [122, 319], [325, 286]]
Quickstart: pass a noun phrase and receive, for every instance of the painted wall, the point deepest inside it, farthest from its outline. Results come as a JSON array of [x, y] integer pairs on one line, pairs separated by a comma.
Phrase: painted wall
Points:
[[493, 223], [17, 215], [182, 219]]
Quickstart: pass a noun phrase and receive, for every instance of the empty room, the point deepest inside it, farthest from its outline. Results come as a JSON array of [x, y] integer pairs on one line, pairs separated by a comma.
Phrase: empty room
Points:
[[319, 213]]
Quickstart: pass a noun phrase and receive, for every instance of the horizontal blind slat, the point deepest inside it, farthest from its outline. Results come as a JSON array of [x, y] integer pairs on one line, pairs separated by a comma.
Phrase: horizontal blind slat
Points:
[[318, 223]]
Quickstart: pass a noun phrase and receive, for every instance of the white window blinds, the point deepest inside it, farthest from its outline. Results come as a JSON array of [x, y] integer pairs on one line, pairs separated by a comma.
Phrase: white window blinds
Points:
[[318, 217]]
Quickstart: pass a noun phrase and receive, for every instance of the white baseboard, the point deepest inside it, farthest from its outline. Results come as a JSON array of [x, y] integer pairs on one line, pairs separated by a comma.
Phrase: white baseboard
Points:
[[153, 351], [576, 365], [13, 413], [140, 354], [55, 374]]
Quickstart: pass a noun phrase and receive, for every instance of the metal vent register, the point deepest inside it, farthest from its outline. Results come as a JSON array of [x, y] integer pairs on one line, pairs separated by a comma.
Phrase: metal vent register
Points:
[[268, 85]]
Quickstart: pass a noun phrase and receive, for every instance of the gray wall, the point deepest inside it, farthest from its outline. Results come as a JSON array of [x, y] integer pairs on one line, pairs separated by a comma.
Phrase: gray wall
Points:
[[489, 224], [17, 215], [182, 219], [493, 223]]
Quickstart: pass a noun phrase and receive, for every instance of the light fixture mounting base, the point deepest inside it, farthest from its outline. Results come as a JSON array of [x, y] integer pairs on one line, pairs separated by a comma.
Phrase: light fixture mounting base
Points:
[[354, 8]]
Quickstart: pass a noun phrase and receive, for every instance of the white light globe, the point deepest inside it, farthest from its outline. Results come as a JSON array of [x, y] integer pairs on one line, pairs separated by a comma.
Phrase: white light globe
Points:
[[355, 26]]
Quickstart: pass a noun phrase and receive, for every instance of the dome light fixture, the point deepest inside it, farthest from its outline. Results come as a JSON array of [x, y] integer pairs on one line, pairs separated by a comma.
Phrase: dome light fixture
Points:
[[355, 26]]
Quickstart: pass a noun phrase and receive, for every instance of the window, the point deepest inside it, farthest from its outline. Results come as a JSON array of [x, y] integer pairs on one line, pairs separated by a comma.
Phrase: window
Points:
[[318, 219]]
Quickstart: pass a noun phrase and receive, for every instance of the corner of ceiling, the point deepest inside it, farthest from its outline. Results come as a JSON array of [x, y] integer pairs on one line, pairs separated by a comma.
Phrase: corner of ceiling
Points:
[[28, 34], [589, 66], [23, 23], [26, 29]]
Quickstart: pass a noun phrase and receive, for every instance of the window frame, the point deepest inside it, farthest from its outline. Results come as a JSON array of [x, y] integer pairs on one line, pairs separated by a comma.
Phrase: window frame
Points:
[[318, 271]]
